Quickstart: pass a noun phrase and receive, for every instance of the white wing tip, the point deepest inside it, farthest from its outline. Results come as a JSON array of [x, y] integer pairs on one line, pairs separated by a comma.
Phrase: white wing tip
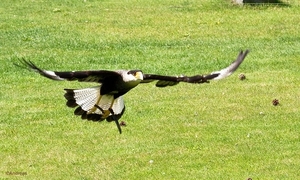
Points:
[[223, 73], [51, 75]]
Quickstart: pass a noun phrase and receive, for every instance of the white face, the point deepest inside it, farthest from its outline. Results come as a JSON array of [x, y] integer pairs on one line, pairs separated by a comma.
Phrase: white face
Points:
[[131, 78], [133, 75]]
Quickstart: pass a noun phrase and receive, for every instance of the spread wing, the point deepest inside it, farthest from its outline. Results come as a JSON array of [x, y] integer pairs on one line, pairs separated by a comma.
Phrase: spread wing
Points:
[[82, 76], [163, 81]]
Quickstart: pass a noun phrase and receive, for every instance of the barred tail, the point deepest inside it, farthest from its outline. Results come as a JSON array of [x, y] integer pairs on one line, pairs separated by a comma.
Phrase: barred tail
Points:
[[93, 106]]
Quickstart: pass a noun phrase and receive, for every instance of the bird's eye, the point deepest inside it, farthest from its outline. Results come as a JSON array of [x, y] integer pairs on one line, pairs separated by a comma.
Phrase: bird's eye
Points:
[[132, 72]]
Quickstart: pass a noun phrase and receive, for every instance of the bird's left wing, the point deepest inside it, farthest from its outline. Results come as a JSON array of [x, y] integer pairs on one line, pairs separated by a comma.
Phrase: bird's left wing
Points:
[[163, 81], [82, 76]]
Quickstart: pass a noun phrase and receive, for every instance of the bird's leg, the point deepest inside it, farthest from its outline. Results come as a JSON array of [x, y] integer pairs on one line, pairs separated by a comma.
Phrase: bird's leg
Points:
[[106, 113], [116, 121], [98, 107], [113, 116]]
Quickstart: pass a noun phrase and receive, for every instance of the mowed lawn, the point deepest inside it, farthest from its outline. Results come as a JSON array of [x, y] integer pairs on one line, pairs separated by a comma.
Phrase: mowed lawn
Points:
[[226, 129]]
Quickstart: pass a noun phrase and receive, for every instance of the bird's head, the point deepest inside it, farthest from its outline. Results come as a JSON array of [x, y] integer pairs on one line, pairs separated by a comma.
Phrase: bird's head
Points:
[[134, 75]]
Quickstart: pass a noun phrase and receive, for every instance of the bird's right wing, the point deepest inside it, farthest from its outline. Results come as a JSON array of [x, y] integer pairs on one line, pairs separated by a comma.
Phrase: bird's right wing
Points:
[[82, 76]]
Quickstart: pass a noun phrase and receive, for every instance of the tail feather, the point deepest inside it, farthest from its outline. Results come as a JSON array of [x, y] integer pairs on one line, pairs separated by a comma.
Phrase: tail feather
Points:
[[71, 103], [87, 98], [79, 111], [69, 94]]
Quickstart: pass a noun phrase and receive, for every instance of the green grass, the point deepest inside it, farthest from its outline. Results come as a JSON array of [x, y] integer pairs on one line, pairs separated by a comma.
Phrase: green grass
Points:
[[227, 129]]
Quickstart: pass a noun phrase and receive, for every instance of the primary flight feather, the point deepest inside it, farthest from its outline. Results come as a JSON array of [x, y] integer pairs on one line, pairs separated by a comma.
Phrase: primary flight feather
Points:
[[105, 101]]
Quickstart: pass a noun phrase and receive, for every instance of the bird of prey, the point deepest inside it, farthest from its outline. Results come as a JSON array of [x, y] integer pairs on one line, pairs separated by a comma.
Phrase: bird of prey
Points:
[[105, 101]]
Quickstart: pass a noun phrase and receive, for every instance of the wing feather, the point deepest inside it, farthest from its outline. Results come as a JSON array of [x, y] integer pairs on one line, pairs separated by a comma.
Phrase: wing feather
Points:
[[223, 73], [82, 76], [163, 81]]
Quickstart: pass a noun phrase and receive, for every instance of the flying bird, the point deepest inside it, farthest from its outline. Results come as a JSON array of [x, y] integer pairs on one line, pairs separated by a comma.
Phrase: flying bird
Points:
[[105, 101]]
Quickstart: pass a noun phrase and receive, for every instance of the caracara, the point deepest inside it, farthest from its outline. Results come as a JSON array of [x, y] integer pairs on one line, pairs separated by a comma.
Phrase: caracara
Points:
[[105, 101]]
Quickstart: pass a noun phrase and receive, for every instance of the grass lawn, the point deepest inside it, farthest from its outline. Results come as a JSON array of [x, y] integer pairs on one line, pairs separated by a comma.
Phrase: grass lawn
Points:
[[227, 129]]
